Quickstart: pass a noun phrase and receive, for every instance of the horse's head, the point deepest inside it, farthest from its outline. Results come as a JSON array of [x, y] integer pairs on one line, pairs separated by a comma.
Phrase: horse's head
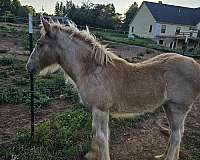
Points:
[[46, 49]]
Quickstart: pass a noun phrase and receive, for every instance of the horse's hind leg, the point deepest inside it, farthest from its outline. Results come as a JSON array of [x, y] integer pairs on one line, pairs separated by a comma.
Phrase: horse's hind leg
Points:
[[100, 146], [176, 115]]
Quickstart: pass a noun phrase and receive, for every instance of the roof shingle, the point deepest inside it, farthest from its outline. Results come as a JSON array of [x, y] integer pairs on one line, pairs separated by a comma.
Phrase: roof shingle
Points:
[[174, 14]]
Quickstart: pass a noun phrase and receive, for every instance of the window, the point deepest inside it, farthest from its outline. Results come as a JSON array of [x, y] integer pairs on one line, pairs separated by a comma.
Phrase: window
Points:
[[198, 34], [171, 45], [194, 28], [161, 42], [178, 30], [132, 29], [150, 28], [163, 28]]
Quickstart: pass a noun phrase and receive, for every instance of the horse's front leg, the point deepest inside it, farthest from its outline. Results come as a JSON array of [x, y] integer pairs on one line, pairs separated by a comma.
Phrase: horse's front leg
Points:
[[100, 146], [94, 153]]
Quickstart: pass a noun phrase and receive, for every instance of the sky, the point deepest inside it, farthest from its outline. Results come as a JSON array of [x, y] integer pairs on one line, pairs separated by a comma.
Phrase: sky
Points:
[[120, 5]]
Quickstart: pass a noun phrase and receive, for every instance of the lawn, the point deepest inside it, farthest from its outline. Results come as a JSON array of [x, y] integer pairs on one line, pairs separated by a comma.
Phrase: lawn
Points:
[[123, 38]]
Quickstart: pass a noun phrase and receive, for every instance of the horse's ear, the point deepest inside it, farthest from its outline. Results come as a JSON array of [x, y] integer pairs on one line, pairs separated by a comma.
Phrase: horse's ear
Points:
[[47, 26], [87, 29], [57, 21], [51, 20]]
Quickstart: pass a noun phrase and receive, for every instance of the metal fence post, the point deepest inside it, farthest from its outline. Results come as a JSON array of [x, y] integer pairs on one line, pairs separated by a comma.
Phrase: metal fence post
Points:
[[30, 30]]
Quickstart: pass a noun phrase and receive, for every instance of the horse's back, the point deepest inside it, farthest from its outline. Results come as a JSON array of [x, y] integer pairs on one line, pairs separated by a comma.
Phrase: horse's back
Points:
[[145, 86]]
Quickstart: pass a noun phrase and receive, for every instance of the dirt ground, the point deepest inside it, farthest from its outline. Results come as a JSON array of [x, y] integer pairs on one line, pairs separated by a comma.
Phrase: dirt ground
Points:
[[142, 142]]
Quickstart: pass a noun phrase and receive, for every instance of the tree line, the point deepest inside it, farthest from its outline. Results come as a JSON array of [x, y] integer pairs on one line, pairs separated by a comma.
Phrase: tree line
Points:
[[14, 8], [96, 15]]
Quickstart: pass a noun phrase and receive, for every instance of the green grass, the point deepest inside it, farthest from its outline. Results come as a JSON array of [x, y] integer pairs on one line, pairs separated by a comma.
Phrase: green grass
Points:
[[21, 33], [122, 38], [67, 134], [15, 84]]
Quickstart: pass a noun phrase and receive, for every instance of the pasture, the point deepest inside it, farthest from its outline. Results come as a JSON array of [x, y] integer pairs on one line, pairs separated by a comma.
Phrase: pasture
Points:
[[63, 129]]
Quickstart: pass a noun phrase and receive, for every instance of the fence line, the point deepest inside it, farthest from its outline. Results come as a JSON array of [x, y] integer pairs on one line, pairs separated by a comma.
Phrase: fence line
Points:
[[36, 22]]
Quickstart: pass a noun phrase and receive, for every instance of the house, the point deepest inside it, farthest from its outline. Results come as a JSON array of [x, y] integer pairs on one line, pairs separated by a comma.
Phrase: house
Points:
[[168, 25]]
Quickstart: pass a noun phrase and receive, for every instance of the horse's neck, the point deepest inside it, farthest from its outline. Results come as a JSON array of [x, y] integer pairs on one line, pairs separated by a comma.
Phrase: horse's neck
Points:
[[76, 61]]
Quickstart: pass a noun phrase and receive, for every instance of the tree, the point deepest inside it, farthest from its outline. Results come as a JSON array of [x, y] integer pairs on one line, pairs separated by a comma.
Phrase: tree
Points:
[[25, 10], [96, 15], [16, 5], [106, 16], [130, 14], [61, 9], [5, 7], [14, 8], [57, 9], [69, 9]]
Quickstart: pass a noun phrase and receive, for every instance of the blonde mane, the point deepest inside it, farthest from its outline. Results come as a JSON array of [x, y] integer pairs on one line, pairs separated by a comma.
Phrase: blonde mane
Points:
[[100, 53]]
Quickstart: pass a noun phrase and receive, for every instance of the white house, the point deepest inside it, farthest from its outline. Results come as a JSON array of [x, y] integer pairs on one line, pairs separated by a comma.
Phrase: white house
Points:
[[168, 25]]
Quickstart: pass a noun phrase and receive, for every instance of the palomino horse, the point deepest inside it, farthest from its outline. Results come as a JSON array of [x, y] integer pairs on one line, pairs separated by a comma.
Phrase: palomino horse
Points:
[[110, 85]]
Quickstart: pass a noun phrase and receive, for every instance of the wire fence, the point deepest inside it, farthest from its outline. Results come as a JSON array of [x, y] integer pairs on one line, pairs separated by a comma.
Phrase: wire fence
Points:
[[36, 23]]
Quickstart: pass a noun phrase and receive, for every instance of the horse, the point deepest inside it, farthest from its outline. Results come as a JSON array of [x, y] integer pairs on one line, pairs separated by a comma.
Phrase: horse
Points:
[[109, 85]]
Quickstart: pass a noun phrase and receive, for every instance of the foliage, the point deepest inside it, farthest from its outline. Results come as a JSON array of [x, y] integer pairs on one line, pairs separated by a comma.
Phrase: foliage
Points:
[[97, 15], [14, 8], [67, 134], [16, 89], [130, 13]]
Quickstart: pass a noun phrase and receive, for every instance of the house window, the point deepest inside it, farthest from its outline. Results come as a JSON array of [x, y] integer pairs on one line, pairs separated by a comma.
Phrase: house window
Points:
[[132, 29], [178, 30], [150, 28], [194, 28], [163, 28], [171, 45], [161, 42], [198, 34]]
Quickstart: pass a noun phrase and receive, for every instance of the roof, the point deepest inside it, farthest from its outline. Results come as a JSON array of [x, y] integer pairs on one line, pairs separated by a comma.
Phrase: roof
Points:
[[174, 14]]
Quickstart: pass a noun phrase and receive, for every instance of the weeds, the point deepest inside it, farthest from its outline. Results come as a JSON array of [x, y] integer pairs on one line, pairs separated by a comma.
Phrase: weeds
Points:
[[67, 134], [15, 83]]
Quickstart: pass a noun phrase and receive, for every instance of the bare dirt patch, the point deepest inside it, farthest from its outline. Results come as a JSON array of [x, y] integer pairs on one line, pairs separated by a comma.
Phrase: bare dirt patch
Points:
[[142, 141], [145, 140], [15, 118]]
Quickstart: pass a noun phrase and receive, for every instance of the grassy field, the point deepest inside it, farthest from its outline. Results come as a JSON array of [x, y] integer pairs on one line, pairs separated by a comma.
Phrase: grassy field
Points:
[[67, 135], [55, 137], [123, 38], [16, 88]]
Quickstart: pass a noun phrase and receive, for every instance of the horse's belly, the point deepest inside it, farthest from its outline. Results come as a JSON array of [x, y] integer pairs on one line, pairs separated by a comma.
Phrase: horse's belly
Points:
[[124, 115], [135, 106]]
